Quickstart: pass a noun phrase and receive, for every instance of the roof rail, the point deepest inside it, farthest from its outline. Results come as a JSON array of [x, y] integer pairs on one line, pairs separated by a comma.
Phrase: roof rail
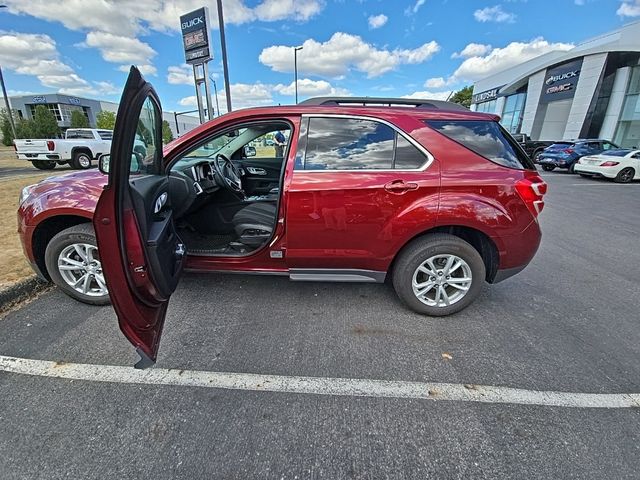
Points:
[[384, 102]]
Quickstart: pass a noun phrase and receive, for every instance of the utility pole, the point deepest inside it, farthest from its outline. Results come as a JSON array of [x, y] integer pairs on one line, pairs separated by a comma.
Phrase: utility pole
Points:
[[6, 102], [223, 47], [295, 68]]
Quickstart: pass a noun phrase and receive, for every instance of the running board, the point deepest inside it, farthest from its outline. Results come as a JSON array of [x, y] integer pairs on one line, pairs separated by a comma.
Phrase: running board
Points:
[[336, 275]]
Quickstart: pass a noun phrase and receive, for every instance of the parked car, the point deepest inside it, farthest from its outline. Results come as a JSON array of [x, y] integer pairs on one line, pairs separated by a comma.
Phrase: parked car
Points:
[[436, 198], [79, 148], [566, 154], [623, 165], [533, 148]]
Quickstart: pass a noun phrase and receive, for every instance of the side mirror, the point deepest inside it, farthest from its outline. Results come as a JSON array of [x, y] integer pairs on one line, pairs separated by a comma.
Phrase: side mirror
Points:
[[103, 163], [134, 167], [249, 151]]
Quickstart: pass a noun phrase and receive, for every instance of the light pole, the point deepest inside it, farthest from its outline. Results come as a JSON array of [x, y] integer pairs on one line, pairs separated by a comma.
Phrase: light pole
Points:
[[215, 91], [223, 47], [295, 68]]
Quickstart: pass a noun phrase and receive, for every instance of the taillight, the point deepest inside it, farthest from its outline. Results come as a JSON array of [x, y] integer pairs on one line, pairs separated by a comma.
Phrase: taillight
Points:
[[568, 150], [609, 163], [51, 145], [532, 190]]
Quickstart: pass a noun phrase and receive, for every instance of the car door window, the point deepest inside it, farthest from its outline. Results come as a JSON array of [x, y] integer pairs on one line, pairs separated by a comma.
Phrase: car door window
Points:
[[348, 144], [608, 146], [147, 144]]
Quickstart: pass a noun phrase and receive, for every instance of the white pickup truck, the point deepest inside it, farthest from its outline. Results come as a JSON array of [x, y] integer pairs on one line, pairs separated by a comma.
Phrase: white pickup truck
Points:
[[79, 148]]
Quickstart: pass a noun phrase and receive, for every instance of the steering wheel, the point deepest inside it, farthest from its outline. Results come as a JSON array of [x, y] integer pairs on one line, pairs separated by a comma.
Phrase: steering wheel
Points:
[[228, 175]]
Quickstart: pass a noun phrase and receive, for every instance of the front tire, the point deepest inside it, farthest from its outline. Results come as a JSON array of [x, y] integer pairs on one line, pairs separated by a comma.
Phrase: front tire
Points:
[[44, 164], [548, 168], [73, 264], [81, 161], [625, 175], [438, 275]]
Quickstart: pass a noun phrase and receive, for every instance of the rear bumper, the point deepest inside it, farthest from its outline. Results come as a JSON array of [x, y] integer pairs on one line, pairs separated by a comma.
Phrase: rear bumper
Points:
[[596, 171], [38, 156], [517, 252], [555, 162]]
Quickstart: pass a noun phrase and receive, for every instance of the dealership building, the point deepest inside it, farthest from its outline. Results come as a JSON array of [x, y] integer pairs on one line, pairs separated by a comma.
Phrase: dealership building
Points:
[[63, 105], [590, 91]]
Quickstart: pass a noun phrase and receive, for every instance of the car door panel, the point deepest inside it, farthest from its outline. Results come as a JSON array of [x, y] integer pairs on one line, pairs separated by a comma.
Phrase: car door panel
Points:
[[261, 175], [134, 223]]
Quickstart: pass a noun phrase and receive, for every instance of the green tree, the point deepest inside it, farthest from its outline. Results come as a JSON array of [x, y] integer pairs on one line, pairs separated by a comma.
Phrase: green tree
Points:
[[463, 96], [79, 119], [45, 123], [25, 128], [106, 120], [167, 134], [5, 127]]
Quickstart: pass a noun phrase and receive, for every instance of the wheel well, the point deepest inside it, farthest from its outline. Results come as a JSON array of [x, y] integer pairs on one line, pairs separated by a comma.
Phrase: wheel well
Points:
[[46, 230], [478, 240], [81, 150]]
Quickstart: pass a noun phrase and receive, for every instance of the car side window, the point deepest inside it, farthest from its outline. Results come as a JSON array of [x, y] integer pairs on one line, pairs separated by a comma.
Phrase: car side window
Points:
[[407, 156], [608, 146], [348, 144]]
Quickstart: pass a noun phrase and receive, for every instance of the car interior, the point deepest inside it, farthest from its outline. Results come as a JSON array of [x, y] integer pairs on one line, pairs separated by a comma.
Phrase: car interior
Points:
[[225, 192]]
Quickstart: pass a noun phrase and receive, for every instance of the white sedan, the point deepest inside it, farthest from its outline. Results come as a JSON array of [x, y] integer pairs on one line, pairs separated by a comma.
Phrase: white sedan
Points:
[[622, 165]]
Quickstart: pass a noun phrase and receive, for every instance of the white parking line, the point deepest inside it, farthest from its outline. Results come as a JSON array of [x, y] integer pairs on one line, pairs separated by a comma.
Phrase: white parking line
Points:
[[352, 387]]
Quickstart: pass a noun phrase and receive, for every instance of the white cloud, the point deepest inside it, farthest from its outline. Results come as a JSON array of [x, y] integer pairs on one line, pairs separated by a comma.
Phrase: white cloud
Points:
[[274, 10], [472, 50], [120, 49], [494, 14], [426, 95], [341, 53], [37, 55], [629, 8], [416, 6], [499, 59], [311, 88], [436, 82], [377, 21], [129, 17], [180, 75], [107, 88]]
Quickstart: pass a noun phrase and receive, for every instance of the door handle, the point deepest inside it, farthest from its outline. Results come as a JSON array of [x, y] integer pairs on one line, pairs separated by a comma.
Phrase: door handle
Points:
[[399, 187], [256, 171]]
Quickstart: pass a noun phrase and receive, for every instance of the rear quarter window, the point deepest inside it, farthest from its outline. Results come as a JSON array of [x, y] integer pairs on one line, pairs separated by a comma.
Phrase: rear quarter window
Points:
[[486, 138]]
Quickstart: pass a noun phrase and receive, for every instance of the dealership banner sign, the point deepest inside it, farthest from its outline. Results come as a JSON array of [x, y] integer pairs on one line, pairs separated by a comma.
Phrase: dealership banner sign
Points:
[[485, 96], [195, 36], [560, 82]]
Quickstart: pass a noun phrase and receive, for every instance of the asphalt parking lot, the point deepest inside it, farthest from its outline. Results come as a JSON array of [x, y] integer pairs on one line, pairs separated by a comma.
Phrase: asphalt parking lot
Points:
[[568, 323]]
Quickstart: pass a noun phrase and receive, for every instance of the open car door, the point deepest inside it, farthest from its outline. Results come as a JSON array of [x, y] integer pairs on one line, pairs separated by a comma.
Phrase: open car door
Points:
[[141, 253]]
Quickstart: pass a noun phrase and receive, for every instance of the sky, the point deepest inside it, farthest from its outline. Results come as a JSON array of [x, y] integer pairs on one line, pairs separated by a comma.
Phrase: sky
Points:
[[391, 48]]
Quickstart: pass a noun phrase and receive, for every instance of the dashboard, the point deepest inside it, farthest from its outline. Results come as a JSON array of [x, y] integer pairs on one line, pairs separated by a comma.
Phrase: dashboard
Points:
[[190, 184]]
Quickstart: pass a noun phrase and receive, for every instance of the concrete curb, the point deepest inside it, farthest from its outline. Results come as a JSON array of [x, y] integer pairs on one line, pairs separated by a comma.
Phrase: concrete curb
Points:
[[20, 291]]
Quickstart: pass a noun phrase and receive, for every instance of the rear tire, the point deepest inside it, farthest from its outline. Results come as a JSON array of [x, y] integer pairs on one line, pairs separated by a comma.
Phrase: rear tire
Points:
[[81, 161], [410, 276], [64, 251], [44, 164], [625, 175], [572, 168], [548, 168]]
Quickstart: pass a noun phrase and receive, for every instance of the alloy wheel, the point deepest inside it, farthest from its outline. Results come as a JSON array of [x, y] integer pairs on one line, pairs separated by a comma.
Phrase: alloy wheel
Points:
[[442, 280], [79, 266]]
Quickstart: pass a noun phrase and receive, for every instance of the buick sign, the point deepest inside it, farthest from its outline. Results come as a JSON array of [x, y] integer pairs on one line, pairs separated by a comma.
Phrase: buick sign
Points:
[[562, 76], [195, 36], [561, 81]]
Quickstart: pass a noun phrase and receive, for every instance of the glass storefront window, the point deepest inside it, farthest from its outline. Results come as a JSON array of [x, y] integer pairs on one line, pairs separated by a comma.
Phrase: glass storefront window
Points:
[[512, 112], [628, 131], [486, 107]]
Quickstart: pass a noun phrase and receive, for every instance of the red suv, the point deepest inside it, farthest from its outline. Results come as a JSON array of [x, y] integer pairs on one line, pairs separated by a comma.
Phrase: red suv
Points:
[[434, 197]]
